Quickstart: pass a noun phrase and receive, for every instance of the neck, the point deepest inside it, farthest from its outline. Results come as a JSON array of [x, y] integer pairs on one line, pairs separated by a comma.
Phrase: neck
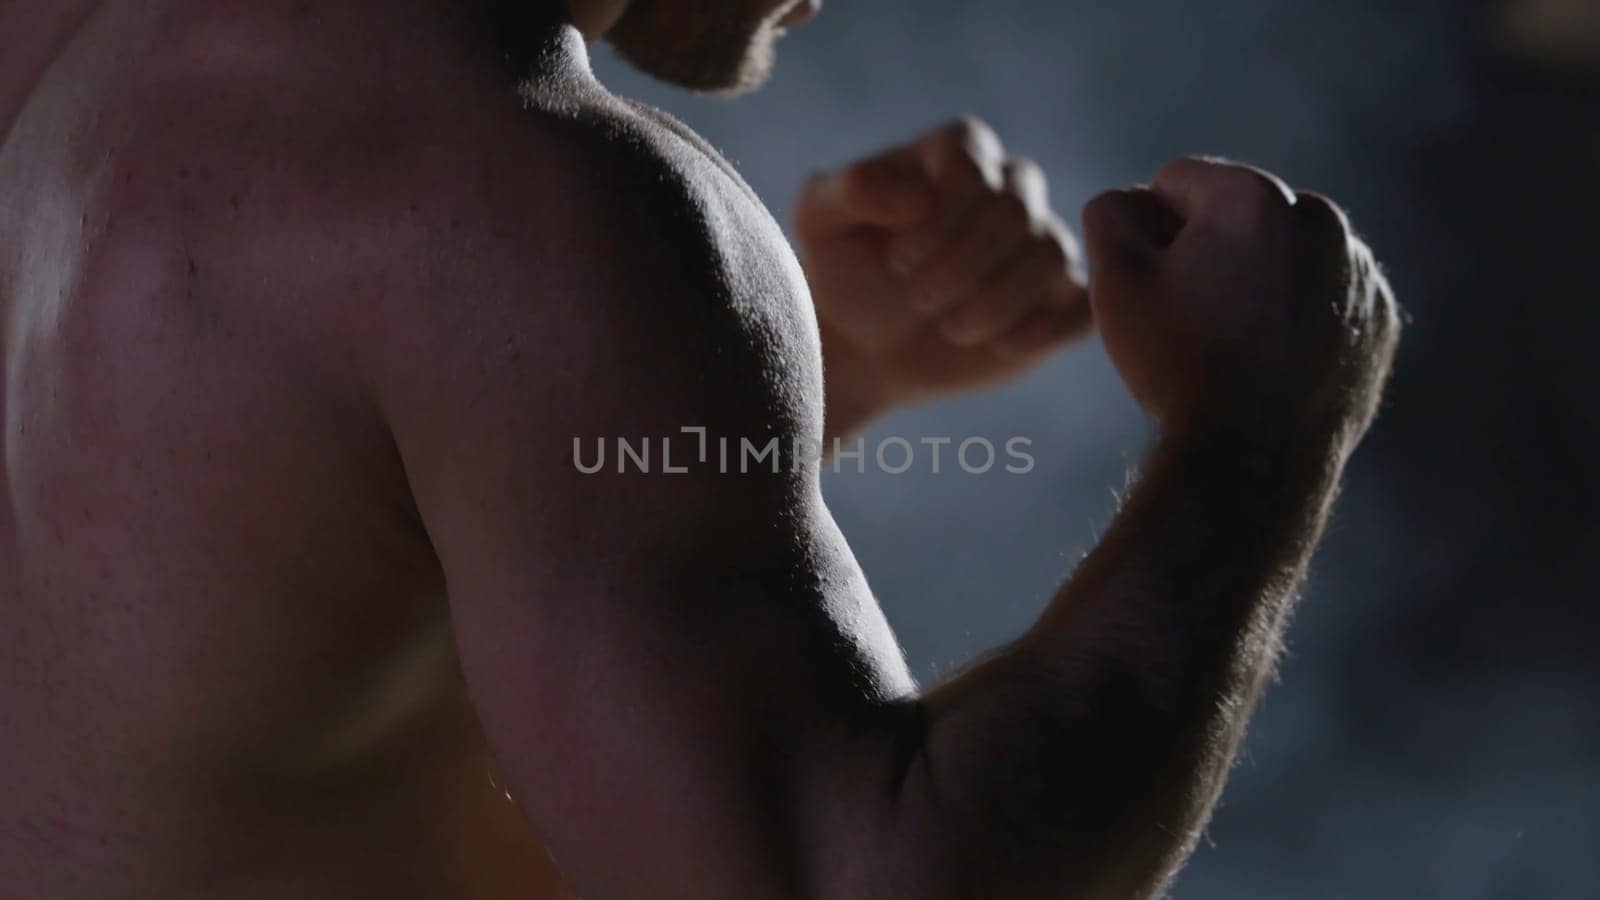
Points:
[[34, 31], [532, 36], [596, 17], [592, 18]]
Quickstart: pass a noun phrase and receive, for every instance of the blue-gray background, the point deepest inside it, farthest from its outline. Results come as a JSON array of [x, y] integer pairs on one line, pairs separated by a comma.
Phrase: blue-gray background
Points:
[[1435, 732]]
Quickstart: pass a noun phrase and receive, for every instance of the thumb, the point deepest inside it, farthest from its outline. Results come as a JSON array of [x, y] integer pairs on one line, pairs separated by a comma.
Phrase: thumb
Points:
[[1125, 234], [886, 191]]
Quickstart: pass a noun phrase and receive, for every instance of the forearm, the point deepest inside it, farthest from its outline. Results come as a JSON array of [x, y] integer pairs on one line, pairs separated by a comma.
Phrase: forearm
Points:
[[1090, 752]]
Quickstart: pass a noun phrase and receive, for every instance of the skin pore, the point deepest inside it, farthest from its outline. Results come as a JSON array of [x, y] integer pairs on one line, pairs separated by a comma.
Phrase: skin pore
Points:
[[302, 306]]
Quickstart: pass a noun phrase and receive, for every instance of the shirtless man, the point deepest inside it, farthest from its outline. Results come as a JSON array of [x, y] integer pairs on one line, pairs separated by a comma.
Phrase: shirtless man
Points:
[[303, 303]]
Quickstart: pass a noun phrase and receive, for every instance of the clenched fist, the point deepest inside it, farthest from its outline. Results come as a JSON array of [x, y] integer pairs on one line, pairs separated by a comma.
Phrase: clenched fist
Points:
[[1223, 295], [935, 266]]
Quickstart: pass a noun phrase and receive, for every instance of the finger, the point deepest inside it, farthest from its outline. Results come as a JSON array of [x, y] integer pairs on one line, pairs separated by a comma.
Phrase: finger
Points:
[[1321, 224], [998, 230], [964, 158], [965, 162], [1041, 276], [1322, 238], [1236, 197], [1044, 329], [1328, 246], [1323, 219], [890, 190], [913, 249], [1125, 233], [1024, 178]]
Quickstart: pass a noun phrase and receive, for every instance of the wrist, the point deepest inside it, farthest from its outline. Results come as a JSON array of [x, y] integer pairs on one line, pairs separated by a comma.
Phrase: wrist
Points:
[[855, 391], [1263, 441]]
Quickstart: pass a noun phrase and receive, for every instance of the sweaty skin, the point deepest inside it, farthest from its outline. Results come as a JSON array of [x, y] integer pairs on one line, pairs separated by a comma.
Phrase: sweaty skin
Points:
[[301, 308]]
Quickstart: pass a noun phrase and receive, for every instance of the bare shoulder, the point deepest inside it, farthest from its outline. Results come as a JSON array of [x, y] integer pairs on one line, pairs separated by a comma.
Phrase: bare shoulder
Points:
[[591, 263], [390, 209], [593, 276], [452, 244]]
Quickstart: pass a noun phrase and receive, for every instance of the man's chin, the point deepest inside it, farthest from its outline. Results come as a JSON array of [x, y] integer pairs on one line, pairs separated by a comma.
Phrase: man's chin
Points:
[[727, 65], [753, 71]]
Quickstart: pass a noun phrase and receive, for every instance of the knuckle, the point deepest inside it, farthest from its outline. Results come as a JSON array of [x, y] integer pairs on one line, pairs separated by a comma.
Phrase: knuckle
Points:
[[973, 150], [1229, 191], [1250, 190], [1321, 220], [1325, 244], [972, 132], [1182, 167], [1026, 173]]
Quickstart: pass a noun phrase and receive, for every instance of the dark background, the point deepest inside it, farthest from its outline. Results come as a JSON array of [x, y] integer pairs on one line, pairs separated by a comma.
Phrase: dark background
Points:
[[1435, 731]]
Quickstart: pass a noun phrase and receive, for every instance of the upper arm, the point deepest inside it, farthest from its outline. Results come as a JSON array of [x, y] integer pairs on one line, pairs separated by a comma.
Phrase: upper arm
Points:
[[656, 657]]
